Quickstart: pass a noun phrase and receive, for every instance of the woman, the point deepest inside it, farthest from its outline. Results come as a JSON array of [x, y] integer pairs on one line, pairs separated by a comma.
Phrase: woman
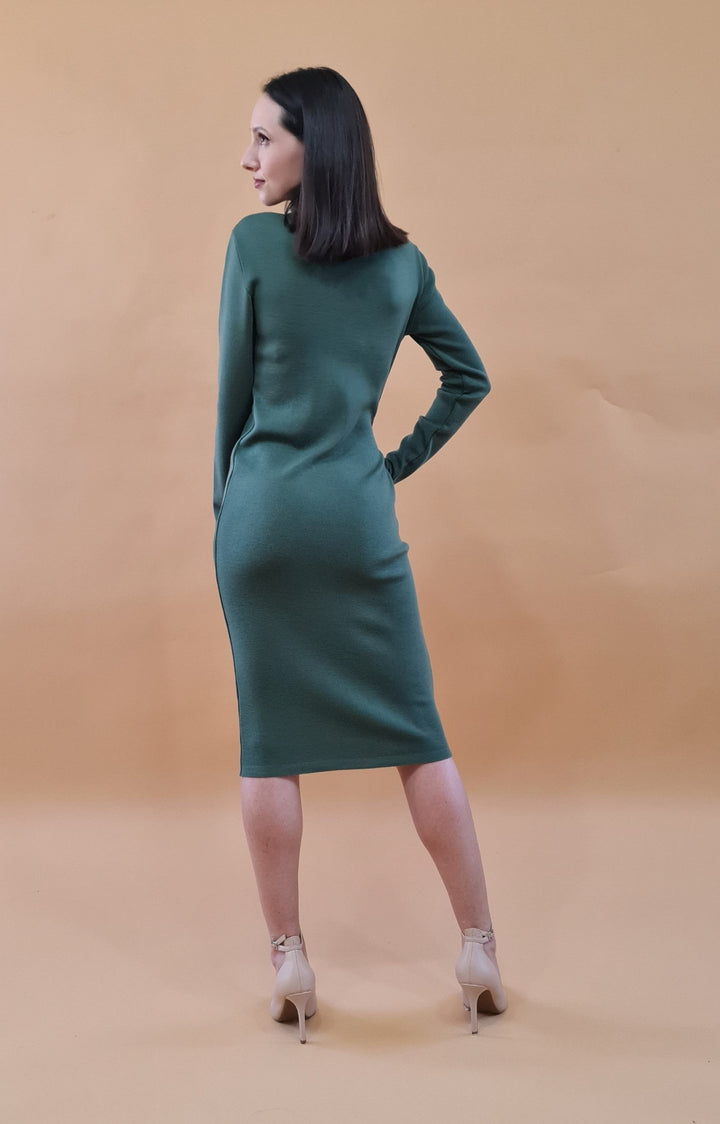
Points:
[[330, 662]]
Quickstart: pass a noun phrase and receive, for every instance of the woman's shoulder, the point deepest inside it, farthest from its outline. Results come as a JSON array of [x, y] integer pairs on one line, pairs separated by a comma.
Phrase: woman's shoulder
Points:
[[259, 224], [413, 261], [262, 237]]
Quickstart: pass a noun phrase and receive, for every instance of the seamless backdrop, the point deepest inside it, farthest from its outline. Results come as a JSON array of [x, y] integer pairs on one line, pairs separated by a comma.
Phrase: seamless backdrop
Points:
[[555, 163]]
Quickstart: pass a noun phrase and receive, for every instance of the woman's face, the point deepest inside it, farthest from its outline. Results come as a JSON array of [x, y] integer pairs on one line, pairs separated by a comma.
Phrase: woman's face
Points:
[[274, 156]]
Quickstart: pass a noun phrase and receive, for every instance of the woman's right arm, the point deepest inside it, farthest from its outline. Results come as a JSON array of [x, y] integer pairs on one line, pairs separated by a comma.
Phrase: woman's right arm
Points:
[[235, 367], [463, 378]]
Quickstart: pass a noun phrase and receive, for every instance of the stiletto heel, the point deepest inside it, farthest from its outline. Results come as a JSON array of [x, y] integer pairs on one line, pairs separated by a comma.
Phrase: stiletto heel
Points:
[[471, 994], [478, 977], [301, 1003], [294, 991]]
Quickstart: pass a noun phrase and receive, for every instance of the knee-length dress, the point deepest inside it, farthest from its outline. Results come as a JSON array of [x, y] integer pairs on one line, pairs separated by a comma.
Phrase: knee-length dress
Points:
[[331, 666]]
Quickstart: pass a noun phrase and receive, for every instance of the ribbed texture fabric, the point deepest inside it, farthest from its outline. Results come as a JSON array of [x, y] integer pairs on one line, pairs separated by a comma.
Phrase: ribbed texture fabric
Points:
[[331, 666]]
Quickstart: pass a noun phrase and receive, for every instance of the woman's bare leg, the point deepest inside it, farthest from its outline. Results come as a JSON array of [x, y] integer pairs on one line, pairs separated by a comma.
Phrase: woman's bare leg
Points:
[[272, 816], [443, 819]]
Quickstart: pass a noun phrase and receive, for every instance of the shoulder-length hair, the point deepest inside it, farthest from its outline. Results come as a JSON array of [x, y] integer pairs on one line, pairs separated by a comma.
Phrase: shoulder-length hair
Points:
[[335, 213]]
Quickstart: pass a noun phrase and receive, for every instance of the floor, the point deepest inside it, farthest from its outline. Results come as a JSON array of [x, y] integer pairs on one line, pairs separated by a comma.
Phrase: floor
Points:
[[137, 973]]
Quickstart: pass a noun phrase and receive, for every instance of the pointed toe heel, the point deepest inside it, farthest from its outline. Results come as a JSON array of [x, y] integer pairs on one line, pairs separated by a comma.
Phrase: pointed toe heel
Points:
[[294, 992], [479, 977]]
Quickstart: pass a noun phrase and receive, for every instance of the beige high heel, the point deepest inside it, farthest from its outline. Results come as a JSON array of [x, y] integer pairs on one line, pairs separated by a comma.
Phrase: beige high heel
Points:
[[294, 991], [478, 976]]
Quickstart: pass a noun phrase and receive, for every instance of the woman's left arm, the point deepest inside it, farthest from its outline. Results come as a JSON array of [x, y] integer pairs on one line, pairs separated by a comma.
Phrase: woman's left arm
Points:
[[235, 367]]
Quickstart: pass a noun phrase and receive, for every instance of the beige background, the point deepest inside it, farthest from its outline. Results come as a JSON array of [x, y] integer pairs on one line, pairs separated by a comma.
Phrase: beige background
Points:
[[557, 164]]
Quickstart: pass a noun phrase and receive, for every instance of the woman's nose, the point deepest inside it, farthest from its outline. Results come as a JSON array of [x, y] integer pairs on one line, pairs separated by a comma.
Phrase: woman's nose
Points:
[[249, 159]]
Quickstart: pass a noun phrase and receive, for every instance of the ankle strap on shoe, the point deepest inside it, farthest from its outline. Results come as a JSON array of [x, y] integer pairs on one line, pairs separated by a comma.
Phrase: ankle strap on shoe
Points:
[[279, 942], [478, 936]]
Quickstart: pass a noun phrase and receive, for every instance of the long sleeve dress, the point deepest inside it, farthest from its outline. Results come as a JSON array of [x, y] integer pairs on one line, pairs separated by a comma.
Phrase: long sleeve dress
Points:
[[331, 666]]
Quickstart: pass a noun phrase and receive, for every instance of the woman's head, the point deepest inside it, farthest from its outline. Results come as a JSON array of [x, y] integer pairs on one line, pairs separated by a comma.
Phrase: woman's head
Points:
[[274, 155], [311, 144]]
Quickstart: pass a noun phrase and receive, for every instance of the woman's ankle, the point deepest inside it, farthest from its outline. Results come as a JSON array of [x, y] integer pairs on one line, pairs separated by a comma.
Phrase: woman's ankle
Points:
[[277, 956]]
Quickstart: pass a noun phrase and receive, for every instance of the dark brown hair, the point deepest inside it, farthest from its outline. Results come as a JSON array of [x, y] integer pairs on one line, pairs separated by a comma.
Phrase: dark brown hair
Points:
[[335, 213]]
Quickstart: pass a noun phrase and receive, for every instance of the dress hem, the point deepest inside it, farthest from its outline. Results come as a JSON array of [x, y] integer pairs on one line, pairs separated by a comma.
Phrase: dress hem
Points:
[[376, 763]]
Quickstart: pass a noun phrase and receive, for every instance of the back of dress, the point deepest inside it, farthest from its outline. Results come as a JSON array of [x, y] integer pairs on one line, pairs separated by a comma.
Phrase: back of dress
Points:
[[330, 661]]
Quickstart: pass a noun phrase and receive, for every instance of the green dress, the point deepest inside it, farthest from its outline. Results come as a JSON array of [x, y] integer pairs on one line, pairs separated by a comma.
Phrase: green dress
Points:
[[331, 666]]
